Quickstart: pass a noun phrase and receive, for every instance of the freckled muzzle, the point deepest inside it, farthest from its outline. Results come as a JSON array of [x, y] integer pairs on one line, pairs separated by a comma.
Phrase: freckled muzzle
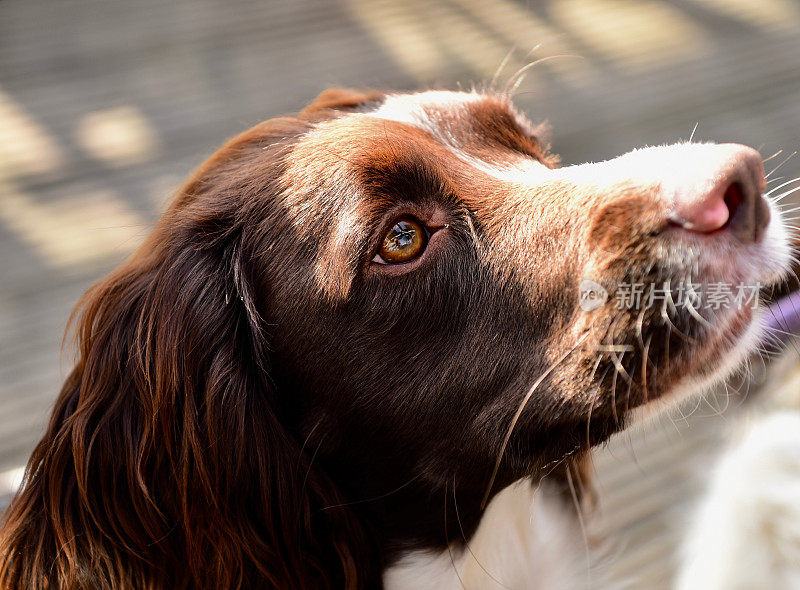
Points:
[[677, 247]]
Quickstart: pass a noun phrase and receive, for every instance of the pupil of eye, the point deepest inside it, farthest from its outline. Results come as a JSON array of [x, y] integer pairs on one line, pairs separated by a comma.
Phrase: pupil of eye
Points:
[[404, 241], [404, 235]]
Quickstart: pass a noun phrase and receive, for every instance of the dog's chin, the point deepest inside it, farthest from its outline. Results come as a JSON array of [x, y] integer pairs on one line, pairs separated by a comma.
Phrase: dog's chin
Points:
[[732, 339]]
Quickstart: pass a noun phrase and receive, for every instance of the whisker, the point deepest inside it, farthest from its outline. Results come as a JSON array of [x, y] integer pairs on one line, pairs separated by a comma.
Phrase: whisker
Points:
[[775, 188], [627, 398], [374, 498], [791, 210], [581, 522], [466, 543], [589, 426], [686, 417], [522, 405], [614, 395], [644, 368], [501, 67], [775, 155], [786, 194], [691, 136], [308, 473], [617, 361], [696, 314], [789, 157], [514, 82], [669, 301], [533, 50], [447, 540], [305, 442]]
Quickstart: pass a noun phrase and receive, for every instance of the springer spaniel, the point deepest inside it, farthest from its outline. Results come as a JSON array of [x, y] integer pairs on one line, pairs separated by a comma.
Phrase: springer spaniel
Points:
[[359, 351]]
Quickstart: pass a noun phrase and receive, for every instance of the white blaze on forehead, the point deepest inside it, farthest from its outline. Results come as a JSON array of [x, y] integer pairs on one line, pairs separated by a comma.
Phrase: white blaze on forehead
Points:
[[416, 109], [525, 171]]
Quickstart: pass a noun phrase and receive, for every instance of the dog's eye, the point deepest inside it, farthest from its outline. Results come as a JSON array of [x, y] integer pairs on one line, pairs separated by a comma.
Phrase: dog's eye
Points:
[[404, 241]]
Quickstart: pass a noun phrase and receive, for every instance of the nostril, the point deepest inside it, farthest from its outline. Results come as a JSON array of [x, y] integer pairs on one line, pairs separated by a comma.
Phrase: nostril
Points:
[[748, 212], [703, 213], [723, 194], [734, 196]]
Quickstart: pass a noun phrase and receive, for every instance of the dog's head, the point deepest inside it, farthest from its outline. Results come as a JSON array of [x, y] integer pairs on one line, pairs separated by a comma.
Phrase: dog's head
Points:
[[347, 317]]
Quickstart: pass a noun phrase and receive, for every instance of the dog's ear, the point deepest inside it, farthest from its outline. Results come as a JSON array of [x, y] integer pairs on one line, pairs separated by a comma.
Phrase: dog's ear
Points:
[[340, 99], [167, 463]]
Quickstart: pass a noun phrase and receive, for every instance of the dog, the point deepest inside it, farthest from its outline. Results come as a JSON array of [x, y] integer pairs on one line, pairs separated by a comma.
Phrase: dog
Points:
[[359, 351]]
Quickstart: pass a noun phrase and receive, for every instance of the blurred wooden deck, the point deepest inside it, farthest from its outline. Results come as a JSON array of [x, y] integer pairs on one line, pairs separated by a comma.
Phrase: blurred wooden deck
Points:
[[107, 105]]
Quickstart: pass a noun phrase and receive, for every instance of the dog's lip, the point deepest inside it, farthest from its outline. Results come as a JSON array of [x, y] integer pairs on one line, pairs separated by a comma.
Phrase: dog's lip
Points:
[[673, 230], [714, 257], [725, 334], [729, 324]]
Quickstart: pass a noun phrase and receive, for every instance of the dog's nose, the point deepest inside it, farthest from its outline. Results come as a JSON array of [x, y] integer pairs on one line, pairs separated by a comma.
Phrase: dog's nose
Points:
[[729, 198]]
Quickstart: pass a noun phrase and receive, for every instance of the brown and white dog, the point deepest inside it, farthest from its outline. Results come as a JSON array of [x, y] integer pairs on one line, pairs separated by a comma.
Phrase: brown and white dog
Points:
[[357, 341]]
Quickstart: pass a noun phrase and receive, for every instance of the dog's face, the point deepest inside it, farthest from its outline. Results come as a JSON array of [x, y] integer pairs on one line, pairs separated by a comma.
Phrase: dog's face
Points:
[[423, 271], [353, 323]]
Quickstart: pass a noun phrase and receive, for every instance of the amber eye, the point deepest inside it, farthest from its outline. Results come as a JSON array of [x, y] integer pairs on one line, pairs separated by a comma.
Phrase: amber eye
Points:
[[403, 242]]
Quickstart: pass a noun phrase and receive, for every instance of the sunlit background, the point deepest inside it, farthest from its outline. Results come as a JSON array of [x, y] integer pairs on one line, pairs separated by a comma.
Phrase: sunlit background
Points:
[[106, 105]]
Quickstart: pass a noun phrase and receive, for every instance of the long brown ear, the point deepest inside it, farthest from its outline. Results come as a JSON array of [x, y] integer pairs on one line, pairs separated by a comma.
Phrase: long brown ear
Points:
[[340, 99], [166, 463]]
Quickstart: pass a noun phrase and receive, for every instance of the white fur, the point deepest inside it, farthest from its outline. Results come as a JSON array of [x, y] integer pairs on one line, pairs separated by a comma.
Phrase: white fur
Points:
[[415, 109], [412, 109], [746, 535], [528, 539]]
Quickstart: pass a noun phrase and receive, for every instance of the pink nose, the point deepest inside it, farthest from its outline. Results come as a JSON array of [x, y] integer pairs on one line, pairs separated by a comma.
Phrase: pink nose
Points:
[[729, 197]]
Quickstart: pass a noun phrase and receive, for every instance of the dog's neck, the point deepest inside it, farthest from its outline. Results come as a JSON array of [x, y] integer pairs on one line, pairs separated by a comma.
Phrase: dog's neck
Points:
[[405, 514], [528, 537]]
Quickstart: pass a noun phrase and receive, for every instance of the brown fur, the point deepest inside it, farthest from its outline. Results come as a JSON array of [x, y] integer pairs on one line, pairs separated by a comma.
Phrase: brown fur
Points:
[[257, 404]]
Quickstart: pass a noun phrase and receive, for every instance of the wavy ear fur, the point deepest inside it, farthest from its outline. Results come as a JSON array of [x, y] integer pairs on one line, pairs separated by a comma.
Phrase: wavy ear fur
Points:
[[166, 463]]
